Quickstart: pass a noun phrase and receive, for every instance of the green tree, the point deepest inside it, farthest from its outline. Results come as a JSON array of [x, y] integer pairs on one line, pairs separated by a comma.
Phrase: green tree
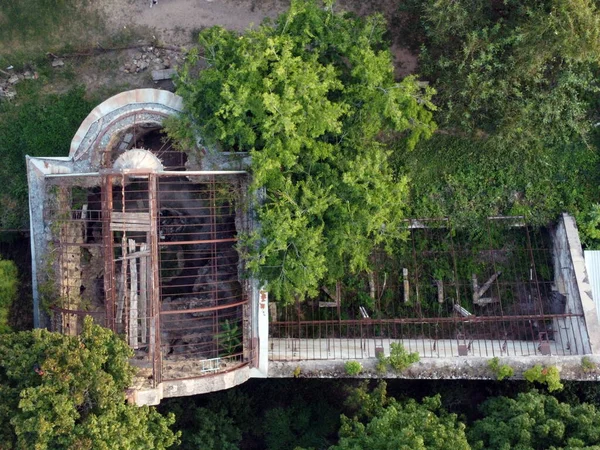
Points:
[[534, 421], [312, 97], [9, 283], [69, 392], [383, 422]]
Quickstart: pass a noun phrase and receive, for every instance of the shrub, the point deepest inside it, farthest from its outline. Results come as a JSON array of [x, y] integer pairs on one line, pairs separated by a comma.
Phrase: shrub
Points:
[[587, 365], [353, 367], [501, 371], [549, 376], [399, 359]]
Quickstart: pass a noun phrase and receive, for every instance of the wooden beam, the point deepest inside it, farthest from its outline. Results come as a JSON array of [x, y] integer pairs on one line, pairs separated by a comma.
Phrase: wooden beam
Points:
[[440, 289], [144, 255], [487, 284], [406, 285], [133, 299], [128, 221], [122, 284]]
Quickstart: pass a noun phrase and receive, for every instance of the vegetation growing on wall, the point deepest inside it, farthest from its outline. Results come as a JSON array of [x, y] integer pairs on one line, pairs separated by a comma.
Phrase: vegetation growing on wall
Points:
[[549, 376]]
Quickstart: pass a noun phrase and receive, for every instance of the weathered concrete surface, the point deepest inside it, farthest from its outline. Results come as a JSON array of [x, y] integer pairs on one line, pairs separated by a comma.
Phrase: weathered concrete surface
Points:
[[439, 368], [195, 386], [571, 279]]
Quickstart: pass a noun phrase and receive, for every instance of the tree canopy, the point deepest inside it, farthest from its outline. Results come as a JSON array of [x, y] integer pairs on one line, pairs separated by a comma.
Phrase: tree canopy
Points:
[[383, 422], [68, 392], [532, 421], [312, 97]]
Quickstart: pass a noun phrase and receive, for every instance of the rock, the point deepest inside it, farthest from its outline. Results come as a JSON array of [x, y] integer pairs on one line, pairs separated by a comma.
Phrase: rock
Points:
[[27, 75], [7, 93], [58, 63], [143, 65], [14, 79], [164, 74], [166, 63]]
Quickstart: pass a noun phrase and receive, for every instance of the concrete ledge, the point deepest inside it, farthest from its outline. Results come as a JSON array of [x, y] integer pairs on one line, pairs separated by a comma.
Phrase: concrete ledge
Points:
[[474, 368], [194, 386]]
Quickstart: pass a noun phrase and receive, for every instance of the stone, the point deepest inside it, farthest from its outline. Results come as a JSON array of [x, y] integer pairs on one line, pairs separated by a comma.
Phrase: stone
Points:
[[27, 75], [14, 79], [143, 65], [7, 93], [164, 74], [58, 63]]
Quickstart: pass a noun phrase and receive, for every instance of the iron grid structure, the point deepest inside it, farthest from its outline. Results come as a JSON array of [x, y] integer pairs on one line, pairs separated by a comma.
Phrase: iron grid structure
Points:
[[445, 292], [152, 257]]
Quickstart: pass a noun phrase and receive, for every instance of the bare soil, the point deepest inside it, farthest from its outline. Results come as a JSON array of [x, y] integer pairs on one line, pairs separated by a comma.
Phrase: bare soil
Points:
[[177, 22]]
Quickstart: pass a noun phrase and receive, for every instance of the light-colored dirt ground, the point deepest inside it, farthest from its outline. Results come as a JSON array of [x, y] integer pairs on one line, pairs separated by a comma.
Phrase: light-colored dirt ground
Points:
[[175, 22]]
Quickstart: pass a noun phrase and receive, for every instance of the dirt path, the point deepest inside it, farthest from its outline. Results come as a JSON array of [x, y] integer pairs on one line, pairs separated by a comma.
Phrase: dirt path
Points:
[[175, 22]]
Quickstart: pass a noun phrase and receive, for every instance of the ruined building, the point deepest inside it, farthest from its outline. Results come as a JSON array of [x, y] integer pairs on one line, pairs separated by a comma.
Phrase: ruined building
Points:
[[143, 237]]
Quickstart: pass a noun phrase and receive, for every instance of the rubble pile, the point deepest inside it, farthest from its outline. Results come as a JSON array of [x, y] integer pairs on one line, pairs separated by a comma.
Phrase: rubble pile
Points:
[[8, 81], [151, 58]]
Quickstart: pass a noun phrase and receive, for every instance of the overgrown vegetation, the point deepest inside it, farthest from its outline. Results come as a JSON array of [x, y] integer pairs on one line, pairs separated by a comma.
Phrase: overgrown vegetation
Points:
[[587, 365], [312, 98], [382, 422], [500, 371], [68, 392], [353, 368], [38, 125], [399, 359], [517, 85], [549, 376], [9, 287], [533, 420]]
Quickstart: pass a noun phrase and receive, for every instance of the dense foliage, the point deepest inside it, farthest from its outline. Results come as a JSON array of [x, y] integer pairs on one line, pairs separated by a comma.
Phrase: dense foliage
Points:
[[400, 414], [9, 284], [526, 71], [68, 392], [383, 422], [312, 97], [532, 421], [38, 125], [517, 85]]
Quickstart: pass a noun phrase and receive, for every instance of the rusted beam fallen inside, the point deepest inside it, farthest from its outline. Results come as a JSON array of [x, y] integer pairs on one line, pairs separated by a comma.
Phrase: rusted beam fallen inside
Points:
[[478, 292], [333, 304], [462, 311], [440, 289]]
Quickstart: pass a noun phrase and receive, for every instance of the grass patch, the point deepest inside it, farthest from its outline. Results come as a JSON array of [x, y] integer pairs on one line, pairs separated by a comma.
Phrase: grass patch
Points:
[[37, 125], [33, 27], [468, 178]]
